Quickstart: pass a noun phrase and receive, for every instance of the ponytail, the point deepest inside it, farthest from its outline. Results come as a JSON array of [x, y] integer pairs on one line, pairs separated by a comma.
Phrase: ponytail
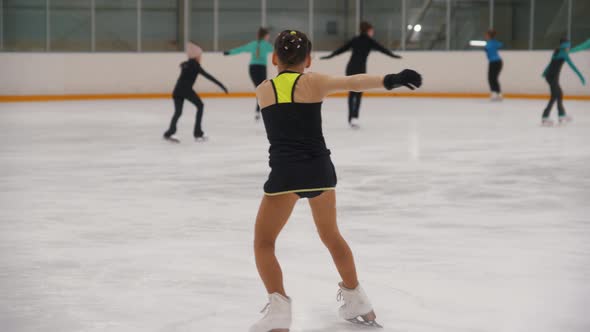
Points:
[[262, 32], [258, 49]]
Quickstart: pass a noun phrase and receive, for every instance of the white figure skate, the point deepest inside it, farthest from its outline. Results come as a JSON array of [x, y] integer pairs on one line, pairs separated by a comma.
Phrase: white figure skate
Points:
[[357, 308], [277, 317], [546, 122], [172, 139], [201, 138], [496, 96], [565, 119], [355, 123]]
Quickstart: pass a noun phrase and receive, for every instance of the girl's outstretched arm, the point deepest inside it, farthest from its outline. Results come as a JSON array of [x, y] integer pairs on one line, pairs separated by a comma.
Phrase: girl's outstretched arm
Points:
[[330, 84], [574, 68], [341, 50], [242, 49], [212, 79], [376, 46], [583, 46]]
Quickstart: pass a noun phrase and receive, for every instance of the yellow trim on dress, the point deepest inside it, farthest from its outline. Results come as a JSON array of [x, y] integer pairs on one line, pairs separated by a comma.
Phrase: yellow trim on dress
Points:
[[299, 191], [284, 85]]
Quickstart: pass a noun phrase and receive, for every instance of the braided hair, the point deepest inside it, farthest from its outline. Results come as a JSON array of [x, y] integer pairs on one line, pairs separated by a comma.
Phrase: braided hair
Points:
[[292, 47], [262, 32]]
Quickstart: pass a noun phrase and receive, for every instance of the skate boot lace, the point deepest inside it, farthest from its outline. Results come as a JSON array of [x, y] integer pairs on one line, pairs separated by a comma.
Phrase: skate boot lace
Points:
[[339, 295]]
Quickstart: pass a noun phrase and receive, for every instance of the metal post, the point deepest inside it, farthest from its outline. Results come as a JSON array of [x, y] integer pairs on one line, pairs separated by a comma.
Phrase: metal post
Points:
[[532, 25], [310, 17], [569, 19], [357, 16], [138, 25], [491, 14], [47, 27], [448, 32], [215, 25], [263, 13], [1, 25], [389, 33], [92, 26], [186, 23], [404, 24]]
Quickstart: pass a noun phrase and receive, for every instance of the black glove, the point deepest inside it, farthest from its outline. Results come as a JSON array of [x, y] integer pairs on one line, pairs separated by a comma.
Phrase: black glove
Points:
[[406, 77], [325, 57], [225, 52]]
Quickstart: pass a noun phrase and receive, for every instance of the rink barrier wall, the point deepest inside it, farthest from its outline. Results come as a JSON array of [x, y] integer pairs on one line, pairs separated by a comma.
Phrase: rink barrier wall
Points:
[[45, 98], [455, 74]]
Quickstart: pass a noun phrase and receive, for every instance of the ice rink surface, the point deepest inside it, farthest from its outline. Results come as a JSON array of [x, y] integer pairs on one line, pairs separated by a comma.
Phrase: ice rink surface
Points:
[[464, 215]]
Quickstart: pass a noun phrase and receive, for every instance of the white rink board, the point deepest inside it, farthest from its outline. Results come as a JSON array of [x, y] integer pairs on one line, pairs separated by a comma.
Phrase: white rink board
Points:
[[121, 73], [463, 215]]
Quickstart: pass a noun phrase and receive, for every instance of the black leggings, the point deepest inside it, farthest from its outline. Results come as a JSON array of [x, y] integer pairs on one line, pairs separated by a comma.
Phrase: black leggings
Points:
[[494, 70], [354, 104], [556, 95], [257, 75], [354, 98], [178, 103]]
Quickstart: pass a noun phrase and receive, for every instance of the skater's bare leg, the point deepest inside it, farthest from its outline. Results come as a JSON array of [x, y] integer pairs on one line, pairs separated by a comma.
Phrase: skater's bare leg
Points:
[[272, 216], [323, 208]]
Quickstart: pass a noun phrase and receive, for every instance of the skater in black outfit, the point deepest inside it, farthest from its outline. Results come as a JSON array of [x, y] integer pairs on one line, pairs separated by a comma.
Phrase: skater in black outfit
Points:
[[301, 167], [361, 46], [190, 69], [551, 75]]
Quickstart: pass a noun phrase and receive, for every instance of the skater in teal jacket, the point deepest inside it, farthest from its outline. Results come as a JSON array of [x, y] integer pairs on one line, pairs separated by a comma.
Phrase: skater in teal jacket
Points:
[[259, 50]]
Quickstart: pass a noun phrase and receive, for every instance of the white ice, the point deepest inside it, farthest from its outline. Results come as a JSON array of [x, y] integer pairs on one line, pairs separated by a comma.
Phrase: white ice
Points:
[[463, 215]]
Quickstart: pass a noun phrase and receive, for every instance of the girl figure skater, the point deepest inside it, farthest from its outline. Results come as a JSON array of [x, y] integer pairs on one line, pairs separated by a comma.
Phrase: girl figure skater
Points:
[[495, 64], [551, 74], [361, 46], [301, 168], [190, 69], [259, 50]]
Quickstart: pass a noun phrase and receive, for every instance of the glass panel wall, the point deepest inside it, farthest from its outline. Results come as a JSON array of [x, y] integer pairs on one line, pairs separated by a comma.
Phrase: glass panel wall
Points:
[[470, 19], [386, 17], [160, 27], [201, 23], [116, 25], [580, 21], [239, 21], [287, 14], [66, 25], [427, 25], [512, 22], [334, 23], [70, 25], [1, 25], [551, 17], [24, 25]]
